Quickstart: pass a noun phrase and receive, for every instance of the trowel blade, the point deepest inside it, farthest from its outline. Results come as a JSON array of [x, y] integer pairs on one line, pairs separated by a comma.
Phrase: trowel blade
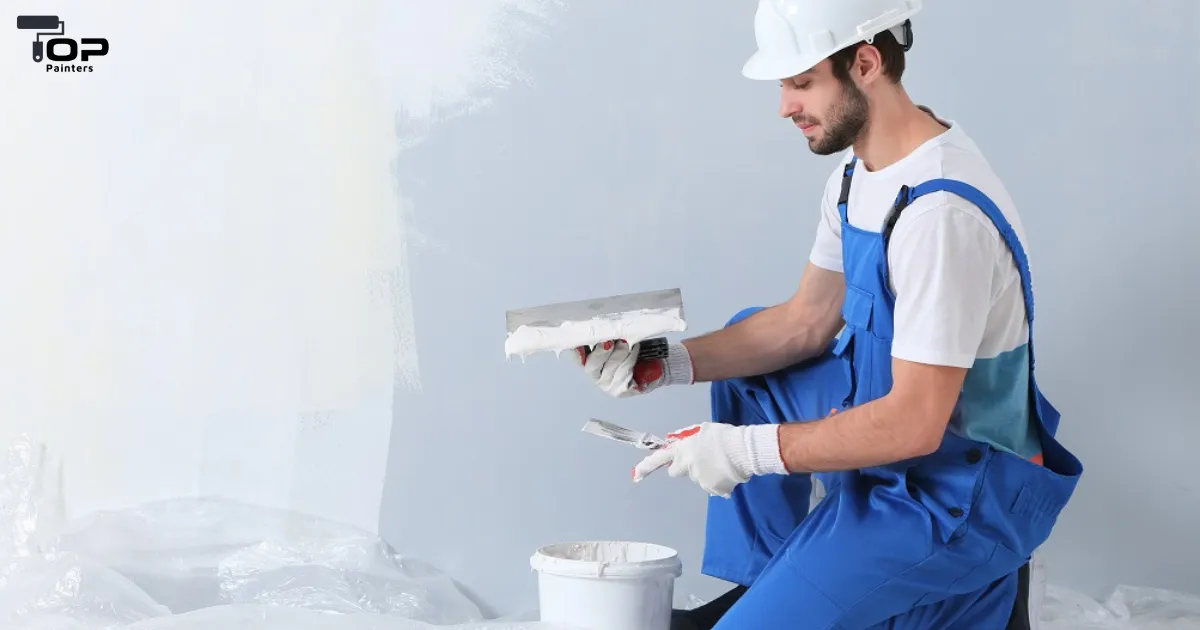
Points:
[[583, 310]]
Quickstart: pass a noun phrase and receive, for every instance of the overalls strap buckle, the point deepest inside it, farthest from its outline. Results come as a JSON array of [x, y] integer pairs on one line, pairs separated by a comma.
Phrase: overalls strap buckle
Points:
[[903, 198], [844, 197]]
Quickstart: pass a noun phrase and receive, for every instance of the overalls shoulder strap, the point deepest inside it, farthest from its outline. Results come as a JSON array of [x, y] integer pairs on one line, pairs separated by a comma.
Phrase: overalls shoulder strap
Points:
[[972, 195], [980, 200]]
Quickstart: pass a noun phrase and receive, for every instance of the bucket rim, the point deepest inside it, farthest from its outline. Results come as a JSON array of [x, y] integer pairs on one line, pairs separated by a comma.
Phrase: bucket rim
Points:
[[543, 562]]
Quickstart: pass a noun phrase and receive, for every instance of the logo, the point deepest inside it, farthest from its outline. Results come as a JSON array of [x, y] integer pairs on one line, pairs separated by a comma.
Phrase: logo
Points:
[[60, 51]]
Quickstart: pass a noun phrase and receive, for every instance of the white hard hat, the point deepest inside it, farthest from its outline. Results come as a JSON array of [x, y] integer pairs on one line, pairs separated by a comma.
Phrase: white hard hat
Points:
[[795, 35]]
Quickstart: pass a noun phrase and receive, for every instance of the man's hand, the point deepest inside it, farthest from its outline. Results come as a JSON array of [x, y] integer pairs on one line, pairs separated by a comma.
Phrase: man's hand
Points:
[[615, 368], [717, 456]]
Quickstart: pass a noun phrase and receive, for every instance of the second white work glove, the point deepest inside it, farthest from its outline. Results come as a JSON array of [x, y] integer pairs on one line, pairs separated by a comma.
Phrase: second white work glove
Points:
[[615, 368], [718, 457]]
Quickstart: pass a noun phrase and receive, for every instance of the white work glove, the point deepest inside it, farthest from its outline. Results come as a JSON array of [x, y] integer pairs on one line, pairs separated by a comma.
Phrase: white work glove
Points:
[[614, 367], [718, 457]]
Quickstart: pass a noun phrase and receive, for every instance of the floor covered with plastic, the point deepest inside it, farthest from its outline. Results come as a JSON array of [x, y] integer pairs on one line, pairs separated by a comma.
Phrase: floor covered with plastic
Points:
[[194, 563]]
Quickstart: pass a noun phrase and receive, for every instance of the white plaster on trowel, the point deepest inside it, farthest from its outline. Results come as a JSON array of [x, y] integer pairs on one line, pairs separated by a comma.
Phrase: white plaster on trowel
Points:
[[632, 326], [203, 262]]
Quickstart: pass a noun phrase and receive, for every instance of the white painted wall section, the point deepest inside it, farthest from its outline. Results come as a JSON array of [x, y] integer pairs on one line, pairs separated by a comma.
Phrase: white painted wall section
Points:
[[202, 257]]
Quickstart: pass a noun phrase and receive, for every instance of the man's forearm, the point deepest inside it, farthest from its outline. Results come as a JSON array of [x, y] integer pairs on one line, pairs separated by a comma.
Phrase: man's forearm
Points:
[[873, 434], [768, 340]]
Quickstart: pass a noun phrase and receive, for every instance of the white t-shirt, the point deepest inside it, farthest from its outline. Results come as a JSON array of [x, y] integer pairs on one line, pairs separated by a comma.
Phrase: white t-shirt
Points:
[[958, 293]]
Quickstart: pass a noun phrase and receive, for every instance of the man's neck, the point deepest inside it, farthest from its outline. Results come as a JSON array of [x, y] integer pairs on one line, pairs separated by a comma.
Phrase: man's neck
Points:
[[897, 127]]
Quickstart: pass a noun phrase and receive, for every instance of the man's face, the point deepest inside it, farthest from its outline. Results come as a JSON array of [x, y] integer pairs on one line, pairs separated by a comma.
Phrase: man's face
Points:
[[831, 113]]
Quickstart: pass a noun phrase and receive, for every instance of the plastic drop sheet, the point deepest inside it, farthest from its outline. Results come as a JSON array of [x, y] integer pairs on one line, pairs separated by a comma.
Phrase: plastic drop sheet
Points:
[[193, 564], [1127, 608], [205, 563]]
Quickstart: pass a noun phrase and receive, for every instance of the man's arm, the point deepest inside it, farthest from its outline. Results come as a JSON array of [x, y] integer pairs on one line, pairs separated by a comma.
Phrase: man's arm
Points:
[[907, 422], [775, 337], [942, 266]]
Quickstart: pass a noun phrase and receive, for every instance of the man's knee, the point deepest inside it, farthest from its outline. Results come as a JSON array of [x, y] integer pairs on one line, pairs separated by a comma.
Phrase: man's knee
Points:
[[743, 314]]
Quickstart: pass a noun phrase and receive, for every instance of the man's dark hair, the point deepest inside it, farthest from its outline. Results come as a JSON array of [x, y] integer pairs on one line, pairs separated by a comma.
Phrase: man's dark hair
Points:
[[891, 52]]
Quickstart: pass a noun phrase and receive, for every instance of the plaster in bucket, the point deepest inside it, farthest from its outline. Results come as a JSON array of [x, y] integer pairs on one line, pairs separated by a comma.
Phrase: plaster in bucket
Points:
[[607, 585]]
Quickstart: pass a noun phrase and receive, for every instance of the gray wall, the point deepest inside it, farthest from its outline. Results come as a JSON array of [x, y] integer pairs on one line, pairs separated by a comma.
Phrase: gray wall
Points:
[[657, 165]]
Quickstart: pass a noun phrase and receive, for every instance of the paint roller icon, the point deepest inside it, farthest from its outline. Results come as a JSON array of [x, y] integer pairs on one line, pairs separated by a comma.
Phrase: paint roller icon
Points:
[[45, 25]]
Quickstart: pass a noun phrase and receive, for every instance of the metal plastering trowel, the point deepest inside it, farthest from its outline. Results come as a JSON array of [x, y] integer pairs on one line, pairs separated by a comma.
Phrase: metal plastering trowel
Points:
[[640, 439], [635, 317]]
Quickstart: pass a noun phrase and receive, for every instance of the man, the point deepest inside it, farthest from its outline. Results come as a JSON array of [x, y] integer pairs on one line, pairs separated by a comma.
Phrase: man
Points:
[[922, 418]]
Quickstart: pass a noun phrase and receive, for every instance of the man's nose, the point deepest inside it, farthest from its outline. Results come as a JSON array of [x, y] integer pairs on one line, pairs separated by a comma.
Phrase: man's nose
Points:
[[789, 106]]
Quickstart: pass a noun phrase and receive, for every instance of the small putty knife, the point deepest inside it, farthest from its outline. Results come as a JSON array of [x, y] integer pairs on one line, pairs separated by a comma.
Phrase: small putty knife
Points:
[[639, 439]]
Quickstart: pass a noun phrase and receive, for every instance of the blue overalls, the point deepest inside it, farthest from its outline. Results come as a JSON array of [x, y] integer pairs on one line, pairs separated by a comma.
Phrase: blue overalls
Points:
[[931, 542]]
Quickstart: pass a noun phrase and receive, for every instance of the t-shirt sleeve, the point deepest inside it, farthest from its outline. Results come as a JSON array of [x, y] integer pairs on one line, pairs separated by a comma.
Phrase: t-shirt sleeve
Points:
[[827, 246], [941, 263]]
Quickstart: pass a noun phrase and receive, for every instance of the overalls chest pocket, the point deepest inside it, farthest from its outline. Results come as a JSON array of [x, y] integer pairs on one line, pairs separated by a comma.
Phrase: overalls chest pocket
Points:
[[856, 312], [857, 306], [855, 346]]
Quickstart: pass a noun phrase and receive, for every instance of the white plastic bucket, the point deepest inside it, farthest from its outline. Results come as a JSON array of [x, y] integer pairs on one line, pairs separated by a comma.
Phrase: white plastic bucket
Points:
[[607, 585]]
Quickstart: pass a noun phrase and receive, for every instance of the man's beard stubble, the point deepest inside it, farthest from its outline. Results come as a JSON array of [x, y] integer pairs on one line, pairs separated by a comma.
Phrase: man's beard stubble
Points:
[[845, 123]]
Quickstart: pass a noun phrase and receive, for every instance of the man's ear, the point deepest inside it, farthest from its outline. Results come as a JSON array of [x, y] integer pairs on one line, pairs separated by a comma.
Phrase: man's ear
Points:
[[868, 64]]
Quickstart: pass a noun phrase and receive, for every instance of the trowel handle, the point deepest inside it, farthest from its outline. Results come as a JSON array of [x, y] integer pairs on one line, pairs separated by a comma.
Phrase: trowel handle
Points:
[[649, 350], [655, 348]]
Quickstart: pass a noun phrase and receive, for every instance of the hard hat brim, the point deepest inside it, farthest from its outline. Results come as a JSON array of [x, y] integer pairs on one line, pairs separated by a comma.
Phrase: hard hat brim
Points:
[[762, 67]]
